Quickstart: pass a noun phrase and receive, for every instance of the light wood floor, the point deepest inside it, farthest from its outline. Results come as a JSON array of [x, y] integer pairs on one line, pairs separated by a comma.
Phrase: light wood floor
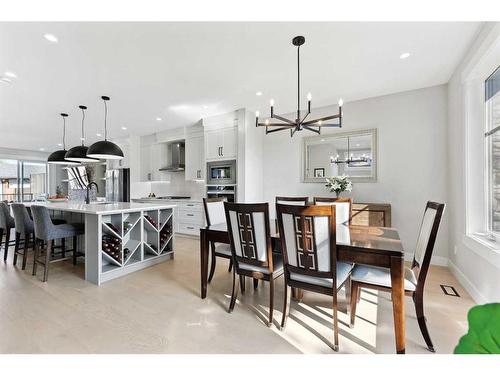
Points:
[[158, 310]]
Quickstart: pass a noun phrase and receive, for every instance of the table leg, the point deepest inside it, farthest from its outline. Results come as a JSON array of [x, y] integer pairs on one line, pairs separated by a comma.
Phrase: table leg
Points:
[[398, 307], [204, 262]]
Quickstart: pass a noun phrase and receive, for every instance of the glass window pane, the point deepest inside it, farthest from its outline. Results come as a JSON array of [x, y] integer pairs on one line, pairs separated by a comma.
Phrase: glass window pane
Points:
[[492, 96], [9, 187], [34, 180]]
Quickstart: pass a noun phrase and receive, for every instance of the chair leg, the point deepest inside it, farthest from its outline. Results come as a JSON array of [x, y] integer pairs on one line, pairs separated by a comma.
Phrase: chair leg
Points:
[[27, 237], [347, 286], [286, 306], [63, 247], [6, 247], [255, 283], [16, 247], [234, 293], [242, 283], [271, 301], [354, 300], [335, 323], [212, 265], [75, 250], [48, 252], [230, 265], [419, 307], [37, 254]]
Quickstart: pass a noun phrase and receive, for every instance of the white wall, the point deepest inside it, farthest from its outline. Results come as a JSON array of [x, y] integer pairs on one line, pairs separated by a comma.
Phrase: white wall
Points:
[[477, 267], [412, 159]]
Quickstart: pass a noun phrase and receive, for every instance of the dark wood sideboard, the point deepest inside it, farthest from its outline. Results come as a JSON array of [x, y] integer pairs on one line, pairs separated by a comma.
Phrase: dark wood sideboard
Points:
[[371, 214]]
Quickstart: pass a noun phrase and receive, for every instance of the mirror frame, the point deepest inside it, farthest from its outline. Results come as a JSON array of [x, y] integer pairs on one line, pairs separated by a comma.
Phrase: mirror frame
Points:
[[308, 141]]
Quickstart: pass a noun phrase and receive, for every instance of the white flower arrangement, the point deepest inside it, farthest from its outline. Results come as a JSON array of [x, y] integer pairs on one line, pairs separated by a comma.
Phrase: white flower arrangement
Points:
[[338, 184]]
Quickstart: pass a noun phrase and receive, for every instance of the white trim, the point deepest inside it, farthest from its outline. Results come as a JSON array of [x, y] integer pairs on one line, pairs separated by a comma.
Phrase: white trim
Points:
[[488, 250], [436, 260], [467, 284]]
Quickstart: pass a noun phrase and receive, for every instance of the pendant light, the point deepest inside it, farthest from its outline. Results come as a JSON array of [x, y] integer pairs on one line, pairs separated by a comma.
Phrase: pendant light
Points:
[[58, 157], [79, 153], [105, 149]]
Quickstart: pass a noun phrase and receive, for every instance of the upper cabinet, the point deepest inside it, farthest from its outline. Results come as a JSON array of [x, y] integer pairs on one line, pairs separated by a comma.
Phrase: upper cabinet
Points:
[[221, 143], [195, 158]]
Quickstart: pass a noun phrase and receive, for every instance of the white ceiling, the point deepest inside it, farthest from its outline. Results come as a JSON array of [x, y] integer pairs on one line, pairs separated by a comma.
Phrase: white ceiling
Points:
[[182, 72]]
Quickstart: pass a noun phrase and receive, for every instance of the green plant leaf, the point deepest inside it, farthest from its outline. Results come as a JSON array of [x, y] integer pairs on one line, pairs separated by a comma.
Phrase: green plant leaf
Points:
[[483, 336]]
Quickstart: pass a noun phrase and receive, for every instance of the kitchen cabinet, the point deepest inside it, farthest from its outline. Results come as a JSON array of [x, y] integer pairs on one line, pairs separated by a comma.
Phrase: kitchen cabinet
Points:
[[221, 144], [189, 217], [154, 157], [195, 160]]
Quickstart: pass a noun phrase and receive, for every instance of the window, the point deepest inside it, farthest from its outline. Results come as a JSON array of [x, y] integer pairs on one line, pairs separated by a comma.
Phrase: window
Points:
[[22, 181], [492, 104]]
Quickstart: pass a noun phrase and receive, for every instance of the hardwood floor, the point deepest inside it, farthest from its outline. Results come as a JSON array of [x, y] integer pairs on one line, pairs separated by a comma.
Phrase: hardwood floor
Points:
[[158, 310]]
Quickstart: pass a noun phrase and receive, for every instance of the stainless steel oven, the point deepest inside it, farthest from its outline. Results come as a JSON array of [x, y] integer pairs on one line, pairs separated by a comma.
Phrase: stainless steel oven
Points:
[[221, 172], [222, 191]]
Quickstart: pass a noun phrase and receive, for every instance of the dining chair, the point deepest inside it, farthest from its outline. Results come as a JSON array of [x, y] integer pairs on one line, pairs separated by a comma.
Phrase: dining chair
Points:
[[294, 201], [6, 225], [214, 214], [343, 206], [309, 249], [251, 248], [380, 279]]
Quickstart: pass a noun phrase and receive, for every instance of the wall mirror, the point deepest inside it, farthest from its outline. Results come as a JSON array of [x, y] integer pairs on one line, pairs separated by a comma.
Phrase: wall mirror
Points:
[[348, 153]]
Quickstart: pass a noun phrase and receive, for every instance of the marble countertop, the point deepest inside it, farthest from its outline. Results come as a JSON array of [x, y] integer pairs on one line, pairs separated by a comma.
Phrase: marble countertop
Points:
[[167, 200], [102, 208]]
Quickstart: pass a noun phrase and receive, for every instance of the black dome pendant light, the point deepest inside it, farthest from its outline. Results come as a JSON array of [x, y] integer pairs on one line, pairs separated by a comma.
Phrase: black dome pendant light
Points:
[[105, 149], [58, 157], [79, 153]]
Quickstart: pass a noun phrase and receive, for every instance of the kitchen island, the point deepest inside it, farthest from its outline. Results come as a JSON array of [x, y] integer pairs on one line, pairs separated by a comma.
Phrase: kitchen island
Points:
[[120, 237]]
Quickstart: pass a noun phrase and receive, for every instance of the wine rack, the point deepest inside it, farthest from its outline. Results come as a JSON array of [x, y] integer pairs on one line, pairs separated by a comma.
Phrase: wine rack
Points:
[[128, 239]]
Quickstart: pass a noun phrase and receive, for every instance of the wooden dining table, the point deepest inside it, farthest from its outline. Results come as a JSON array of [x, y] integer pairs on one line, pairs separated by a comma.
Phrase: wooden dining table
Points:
[[374, 246]]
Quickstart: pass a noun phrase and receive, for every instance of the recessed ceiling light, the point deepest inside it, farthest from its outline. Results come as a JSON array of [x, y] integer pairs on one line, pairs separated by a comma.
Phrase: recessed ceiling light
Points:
[[124, 128], [51, 38], [99, 134], [205, 106], [11, 74], [42, 149], [158, 119], [404, 55], [258, 93]]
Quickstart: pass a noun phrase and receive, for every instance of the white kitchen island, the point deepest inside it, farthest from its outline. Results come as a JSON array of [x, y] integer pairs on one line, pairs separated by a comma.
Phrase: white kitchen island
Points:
[[126, 225]]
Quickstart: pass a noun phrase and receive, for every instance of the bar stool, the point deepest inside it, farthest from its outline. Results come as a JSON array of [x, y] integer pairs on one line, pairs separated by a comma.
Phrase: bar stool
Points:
[[6, 225], [45, 230], [25, 229]]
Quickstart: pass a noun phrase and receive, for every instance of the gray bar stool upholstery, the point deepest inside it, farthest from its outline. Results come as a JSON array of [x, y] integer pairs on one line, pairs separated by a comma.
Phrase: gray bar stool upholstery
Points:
[[6, 224], [45, 230], [25, 229]]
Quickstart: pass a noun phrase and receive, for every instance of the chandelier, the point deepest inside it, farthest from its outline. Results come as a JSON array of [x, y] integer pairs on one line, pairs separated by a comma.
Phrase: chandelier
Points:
[[350, 157], [300, 122]]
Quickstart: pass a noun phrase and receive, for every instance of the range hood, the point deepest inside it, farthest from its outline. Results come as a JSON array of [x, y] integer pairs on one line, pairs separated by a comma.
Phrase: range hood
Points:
[[176, 158]]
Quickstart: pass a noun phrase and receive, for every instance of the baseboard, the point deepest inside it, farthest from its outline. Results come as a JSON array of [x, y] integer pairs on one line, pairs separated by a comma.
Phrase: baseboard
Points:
[[467, 284], [435, 260]]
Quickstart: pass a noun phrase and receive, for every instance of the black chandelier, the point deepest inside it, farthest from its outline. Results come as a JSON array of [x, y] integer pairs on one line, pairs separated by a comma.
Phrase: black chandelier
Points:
[[299, 123], [350, 157]]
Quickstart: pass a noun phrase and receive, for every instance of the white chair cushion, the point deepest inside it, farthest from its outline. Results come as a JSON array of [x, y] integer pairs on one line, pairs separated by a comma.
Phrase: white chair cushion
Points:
[[343, 271], [222, 248], [277, 265], [381, 276]]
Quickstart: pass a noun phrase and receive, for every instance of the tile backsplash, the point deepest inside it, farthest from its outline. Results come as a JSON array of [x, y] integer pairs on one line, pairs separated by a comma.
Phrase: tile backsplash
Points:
[[176, 186]]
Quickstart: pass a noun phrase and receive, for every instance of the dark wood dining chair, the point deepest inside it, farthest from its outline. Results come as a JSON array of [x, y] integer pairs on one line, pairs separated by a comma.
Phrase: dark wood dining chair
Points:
[[251, 248], [214, 214], [343, 205], [294, 201], [310, 255], [380, 279]]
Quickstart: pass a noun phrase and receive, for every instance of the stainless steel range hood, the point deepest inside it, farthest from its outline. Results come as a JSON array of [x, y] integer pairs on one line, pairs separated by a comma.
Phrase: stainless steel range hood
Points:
[[176, 158]]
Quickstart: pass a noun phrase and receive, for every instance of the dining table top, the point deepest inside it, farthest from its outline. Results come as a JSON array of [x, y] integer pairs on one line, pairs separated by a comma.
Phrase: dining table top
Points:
[[381, 240]]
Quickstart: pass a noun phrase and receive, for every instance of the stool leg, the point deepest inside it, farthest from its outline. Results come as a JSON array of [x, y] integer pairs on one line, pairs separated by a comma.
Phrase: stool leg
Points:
[[16, 248], [48, 252], [27, 237], [37, 254], [74, 249], [63, 247], [1, 237], [7, 240]]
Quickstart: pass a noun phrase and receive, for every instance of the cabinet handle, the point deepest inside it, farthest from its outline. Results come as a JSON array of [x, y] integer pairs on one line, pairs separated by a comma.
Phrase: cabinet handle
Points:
[[190, 214], [222, 150], [190, 205], [190, 227]]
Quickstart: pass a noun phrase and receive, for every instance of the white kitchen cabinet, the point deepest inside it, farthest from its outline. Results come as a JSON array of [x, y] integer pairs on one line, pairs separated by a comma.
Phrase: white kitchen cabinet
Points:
[[221, 143], [154, 157], [190, 217], [195, 160], [146, 174]]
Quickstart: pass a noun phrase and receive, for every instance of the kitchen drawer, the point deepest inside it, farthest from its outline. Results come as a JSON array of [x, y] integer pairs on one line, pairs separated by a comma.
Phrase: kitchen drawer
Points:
[[191, 216], [186, 228], [191, 206]]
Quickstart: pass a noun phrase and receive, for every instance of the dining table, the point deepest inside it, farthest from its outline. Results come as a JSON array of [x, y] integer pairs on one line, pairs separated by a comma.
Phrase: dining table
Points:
[[368, 245]]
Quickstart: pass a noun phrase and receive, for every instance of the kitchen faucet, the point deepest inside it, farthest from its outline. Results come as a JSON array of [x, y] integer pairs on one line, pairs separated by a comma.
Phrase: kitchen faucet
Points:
[[89, 186]]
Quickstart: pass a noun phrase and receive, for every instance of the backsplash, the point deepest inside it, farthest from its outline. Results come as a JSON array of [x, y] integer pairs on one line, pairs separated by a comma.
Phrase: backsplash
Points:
[[176, 186]]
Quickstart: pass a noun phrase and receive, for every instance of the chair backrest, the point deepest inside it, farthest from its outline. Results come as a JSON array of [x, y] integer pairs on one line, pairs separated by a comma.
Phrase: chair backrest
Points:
[[249, 233], [4, 215], [294, 201], [22, 218], [343, 205], [214, 210], [426, 240], [308, 240], [42, 222]]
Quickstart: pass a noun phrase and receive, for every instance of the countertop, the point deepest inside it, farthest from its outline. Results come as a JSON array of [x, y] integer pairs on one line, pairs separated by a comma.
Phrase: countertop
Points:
[[102, 208], [155, 200]]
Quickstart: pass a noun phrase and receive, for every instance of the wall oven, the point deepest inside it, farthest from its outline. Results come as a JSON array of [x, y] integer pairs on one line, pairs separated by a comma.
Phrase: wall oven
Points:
[[222, 191], [221, 172]]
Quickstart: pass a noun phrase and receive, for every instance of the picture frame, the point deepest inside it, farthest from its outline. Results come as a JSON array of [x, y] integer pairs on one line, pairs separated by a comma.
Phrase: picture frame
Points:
[[319, 172]]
